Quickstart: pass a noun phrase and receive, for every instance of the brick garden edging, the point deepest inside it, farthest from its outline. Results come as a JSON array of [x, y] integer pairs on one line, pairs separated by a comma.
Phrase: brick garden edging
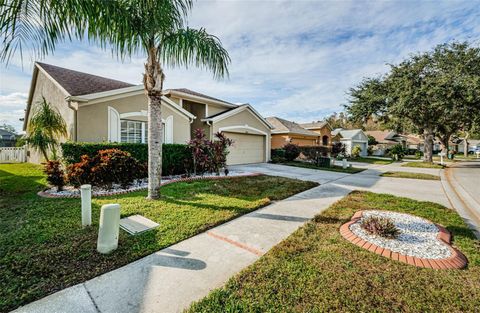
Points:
[[456, 261], [113, 193]]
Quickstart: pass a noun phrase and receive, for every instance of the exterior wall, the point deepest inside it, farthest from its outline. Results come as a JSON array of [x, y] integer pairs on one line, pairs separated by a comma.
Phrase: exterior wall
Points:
[[197, 109], [212, 110], [278, 141], [56, 97], [93, 119], [245, 121], [324, 131]]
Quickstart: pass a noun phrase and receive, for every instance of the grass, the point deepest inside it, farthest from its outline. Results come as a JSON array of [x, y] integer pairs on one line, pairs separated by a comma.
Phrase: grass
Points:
[[317, 270], [421, 164], [43, 247], [411, 175], [349, 170], [370, 160]]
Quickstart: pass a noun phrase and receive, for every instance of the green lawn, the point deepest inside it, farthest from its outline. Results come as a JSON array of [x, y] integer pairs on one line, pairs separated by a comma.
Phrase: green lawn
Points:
[[370, 160], [44, 249], [411, 175], [317, 270], [349, 170], [421, 164]]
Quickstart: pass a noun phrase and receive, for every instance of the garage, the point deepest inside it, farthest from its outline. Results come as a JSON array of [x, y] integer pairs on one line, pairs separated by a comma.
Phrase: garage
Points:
[[247, 148]]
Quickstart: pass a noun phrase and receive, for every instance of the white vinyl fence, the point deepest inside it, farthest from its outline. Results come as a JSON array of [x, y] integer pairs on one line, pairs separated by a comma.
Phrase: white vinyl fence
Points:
[[13, 154]]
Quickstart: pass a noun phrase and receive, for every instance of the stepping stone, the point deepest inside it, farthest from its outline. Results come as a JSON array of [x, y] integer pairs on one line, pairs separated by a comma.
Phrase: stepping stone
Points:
[[137, 224]]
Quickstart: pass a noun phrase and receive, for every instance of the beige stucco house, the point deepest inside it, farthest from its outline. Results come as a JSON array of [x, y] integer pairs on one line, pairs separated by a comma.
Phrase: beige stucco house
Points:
[[99, 109]]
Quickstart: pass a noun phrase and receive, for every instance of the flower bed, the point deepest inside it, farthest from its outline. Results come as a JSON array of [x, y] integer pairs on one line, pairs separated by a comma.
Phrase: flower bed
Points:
[[72, 192], [420, 242]]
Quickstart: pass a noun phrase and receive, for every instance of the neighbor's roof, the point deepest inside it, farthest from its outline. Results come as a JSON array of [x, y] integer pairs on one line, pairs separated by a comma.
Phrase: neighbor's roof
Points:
[[6, 135], [196, 94], [382, 136], [315, 125], [282, 126], [79, 83]]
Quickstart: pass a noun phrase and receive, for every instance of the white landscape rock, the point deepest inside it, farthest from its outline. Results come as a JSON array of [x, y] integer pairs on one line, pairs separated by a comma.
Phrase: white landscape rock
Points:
[[418, 237]]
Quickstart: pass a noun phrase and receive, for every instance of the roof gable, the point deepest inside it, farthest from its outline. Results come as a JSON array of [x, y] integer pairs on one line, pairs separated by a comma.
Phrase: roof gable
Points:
[[79, 83], [316, 125], [179, 92]]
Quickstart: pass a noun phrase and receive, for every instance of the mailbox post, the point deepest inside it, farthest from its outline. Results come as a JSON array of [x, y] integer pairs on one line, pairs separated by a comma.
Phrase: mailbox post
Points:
[[86, 195], [441, 154]]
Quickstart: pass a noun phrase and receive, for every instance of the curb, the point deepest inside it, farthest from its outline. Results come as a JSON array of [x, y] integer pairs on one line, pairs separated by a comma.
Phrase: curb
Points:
[[456, 261], [461, 202], [44, 194]]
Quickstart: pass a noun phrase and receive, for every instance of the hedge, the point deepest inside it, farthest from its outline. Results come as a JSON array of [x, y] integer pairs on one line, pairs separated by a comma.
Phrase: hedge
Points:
[[176, 158]]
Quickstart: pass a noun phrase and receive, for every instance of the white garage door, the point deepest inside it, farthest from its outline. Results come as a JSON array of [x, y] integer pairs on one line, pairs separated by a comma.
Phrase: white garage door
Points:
[[246, 148]]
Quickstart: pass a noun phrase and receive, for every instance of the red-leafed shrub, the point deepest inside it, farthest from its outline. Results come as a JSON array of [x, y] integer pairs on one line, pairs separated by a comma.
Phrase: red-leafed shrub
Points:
[[55, 174], [108, 167], [80, 173], [219, 152], [292, 151]]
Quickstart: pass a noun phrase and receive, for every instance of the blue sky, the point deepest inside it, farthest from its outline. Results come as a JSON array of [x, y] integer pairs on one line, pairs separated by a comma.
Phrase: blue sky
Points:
[[294, 59]]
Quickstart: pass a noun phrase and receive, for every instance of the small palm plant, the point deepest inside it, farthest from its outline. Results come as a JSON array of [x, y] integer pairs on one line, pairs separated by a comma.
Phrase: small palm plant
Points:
[[380, 226], [45, 127]]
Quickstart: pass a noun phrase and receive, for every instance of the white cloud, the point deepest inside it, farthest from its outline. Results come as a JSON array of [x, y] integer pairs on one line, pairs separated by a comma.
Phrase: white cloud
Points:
[[292, 59]]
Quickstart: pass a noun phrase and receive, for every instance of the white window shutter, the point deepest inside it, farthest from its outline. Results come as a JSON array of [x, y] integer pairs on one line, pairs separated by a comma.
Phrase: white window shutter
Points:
[[113, 125], [169, 129]]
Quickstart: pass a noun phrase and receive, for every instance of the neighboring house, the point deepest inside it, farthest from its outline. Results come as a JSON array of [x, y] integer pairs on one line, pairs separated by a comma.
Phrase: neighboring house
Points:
[[290, 132], [323, 129], [351, 138], [386, 139], [7, 139], [458, 145], [99, 109]]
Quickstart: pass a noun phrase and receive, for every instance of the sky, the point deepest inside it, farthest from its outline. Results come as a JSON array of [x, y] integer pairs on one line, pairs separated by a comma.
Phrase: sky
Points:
[[291, 59]]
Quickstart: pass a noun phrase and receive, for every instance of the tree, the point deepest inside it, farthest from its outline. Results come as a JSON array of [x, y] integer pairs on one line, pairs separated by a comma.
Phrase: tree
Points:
[[436, 93], [155, 28], [45, 127]]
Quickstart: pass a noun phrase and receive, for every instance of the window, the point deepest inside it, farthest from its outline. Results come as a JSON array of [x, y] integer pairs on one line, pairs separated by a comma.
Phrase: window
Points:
[[133, 131]]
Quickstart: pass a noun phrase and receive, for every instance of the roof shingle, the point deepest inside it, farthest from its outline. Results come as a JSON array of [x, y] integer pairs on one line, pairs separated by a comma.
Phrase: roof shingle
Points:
[[283, 126], [78, 83]]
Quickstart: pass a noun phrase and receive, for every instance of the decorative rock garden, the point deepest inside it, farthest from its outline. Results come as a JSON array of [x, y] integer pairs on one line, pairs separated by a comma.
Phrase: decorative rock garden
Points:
[[415, 240], [141, 184]]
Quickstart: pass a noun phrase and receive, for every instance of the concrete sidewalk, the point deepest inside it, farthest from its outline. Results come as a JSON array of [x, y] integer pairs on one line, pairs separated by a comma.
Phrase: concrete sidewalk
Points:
[[171, 279]]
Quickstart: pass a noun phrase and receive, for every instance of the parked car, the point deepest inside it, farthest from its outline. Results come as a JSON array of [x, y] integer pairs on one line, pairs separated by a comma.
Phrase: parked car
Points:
[[473, 149]]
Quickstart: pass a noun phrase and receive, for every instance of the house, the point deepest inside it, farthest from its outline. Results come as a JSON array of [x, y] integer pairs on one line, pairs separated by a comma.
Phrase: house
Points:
[[385, 139], [323, 129], [99, 109], [7, 138], [284, 132], [351, 138]]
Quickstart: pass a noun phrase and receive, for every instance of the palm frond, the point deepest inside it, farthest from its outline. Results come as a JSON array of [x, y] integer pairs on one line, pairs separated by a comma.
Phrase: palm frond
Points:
[[48, 120], [195, 47]]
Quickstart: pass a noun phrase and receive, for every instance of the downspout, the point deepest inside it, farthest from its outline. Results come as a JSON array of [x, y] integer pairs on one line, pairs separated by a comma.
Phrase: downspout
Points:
[[75, 113]]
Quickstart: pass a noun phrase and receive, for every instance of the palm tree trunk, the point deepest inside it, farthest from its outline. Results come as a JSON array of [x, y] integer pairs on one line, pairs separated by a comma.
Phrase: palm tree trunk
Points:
[[153, 82], [428, 146]]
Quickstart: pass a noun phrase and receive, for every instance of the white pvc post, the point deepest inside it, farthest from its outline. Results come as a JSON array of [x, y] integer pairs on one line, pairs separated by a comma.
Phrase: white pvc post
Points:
[[344, 163], [108, 228], [86, 194]]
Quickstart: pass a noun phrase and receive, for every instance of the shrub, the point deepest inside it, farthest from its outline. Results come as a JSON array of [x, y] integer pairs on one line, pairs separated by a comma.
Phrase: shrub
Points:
[[55, 174], [209, 156], [219, 152], [80, 173], [418, 154], [108, 167], [356, 151], [338, 149], [292, 151], [316, 154], [380, 226], [372, 141], [397, 152], [176, 158]]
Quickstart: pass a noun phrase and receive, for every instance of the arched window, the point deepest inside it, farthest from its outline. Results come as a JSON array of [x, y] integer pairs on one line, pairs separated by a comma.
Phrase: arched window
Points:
[[325, 140]]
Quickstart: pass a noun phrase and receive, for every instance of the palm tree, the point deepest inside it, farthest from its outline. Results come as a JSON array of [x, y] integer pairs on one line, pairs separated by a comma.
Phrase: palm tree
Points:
[[45, 127], [156, 28]]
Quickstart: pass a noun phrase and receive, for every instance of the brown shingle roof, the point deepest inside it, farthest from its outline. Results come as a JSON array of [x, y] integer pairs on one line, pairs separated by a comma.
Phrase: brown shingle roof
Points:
[[283, 126], [198, 94], [78, 83]]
